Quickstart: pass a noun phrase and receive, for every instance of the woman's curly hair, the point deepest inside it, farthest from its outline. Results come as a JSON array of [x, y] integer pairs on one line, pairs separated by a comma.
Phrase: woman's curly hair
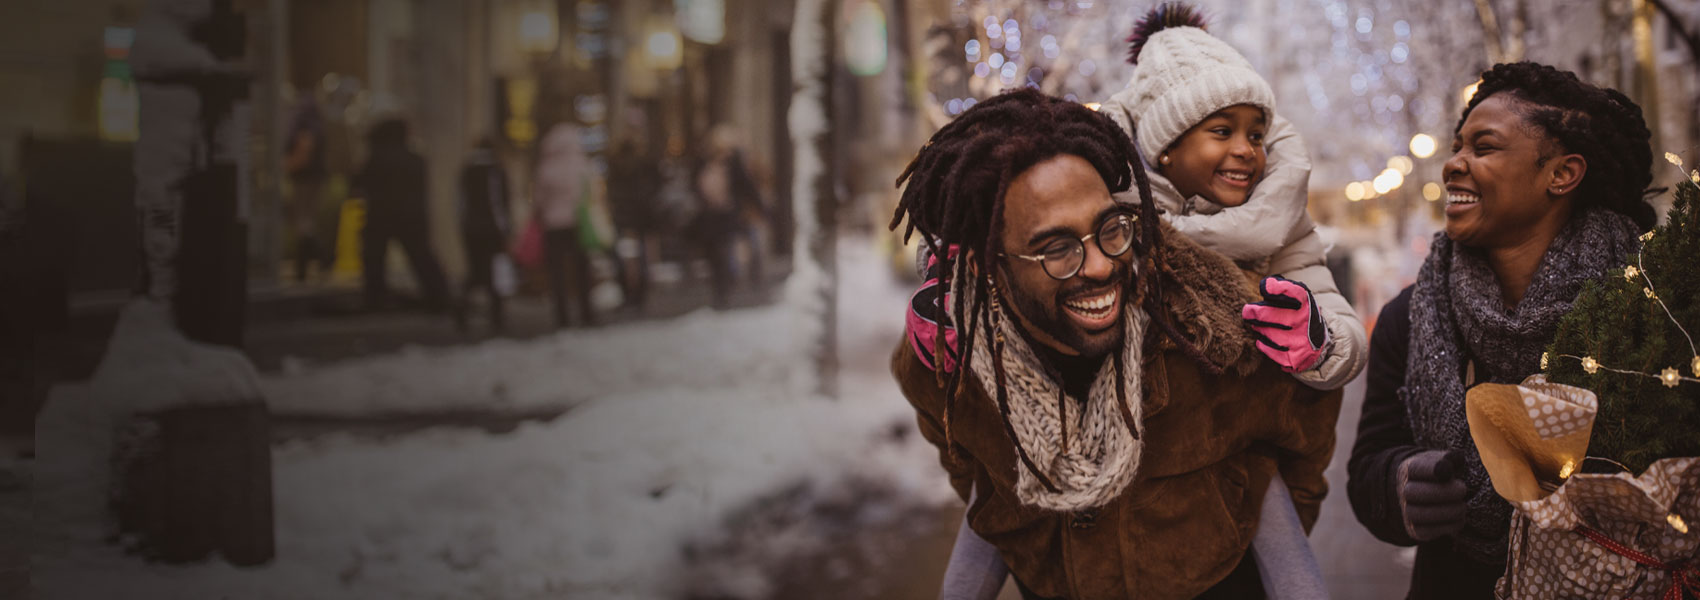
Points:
[[1601, 124]]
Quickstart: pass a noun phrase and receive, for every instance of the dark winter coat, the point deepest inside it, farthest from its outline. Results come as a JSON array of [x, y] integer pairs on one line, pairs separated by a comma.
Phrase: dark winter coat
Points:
[[634, 189], [1211, 446], [719, 221], [484, 212], [393, 184], [1385, 440]]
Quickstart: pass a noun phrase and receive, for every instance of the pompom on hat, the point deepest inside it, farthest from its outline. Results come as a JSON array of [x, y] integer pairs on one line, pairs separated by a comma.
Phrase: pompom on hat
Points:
[[1181, 74]]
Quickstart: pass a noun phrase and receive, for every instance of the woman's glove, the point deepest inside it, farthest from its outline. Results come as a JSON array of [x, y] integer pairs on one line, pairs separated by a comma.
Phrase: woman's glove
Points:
[[1431, 494], [1287, 325]]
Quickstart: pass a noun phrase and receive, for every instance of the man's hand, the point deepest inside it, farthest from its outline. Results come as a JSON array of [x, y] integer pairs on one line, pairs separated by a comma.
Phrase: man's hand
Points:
[[1287, 325], [1431, 494]]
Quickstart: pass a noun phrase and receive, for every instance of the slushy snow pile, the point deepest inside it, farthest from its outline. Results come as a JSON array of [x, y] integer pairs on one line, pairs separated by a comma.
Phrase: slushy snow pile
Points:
[[671, 427]]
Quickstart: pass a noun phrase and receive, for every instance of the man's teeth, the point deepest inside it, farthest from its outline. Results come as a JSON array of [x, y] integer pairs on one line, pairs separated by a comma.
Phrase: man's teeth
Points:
[[1094, 304], [1457, 198]]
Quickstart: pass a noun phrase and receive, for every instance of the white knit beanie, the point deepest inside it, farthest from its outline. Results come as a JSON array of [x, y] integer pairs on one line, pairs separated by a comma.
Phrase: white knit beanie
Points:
[[1183, 75]]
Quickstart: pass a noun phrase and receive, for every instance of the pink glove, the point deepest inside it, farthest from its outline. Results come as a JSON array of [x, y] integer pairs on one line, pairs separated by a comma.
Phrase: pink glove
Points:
[[1287, 325], [921, 329]]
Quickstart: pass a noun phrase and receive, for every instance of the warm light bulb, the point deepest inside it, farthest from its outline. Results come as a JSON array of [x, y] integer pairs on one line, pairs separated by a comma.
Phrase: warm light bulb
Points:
[[1355, 191], [1388, 181], [1468, 92], [1432, 191], [1422, 145]]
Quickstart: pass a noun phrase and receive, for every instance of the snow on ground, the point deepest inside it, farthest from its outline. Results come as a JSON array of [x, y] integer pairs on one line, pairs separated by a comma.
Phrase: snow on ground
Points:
[[701, 350], [676, 426]]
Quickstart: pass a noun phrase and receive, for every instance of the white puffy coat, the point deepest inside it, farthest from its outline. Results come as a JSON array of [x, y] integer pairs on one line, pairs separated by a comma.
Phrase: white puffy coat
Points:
[[1271, 234]]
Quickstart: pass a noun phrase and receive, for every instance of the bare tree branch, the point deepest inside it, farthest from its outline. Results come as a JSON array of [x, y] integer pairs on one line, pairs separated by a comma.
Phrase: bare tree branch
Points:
[[1490, 31], [1689, 37]]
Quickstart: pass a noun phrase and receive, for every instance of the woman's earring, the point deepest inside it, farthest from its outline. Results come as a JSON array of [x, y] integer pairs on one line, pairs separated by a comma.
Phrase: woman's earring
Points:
[[1164, 159]]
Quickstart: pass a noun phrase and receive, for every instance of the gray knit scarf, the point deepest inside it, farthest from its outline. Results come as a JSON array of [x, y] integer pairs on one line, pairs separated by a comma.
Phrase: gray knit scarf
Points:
[[1457, 318]]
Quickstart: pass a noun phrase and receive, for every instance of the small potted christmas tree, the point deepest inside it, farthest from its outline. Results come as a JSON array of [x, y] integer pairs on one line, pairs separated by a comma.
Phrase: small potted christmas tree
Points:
[[1604, 512]]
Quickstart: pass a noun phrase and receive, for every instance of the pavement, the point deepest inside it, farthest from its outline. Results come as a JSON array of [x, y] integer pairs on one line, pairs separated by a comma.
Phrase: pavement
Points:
[[1354, 563]]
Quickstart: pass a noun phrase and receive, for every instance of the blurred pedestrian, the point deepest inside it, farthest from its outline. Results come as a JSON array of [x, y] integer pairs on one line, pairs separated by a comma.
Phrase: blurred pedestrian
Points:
[[634, 188], [393, 183], [485, 225], [726, 198], [305, 165], [564, 183]]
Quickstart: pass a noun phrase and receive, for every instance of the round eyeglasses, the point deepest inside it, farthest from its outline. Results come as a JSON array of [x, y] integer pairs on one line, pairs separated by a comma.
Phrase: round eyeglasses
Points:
[[1063, 258]]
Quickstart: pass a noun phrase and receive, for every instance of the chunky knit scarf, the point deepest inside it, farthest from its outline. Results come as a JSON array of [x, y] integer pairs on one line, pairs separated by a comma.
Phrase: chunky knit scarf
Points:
[[1086, 450], [1458, 319]]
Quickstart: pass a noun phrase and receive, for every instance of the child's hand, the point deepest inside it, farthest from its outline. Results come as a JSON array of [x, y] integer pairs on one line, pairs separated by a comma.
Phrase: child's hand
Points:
[[1287, 325]]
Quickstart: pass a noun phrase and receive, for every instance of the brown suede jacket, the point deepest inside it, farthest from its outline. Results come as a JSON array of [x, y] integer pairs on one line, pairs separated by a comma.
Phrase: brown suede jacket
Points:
[[1211, 446]]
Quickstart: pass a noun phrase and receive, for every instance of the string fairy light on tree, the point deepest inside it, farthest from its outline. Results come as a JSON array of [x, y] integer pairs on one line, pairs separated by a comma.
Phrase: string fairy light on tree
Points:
[[1649, 407]]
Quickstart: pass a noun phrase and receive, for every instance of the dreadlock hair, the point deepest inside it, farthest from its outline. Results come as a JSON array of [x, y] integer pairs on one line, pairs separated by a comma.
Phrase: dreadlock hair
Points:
[[953, 194], [1601, 124]]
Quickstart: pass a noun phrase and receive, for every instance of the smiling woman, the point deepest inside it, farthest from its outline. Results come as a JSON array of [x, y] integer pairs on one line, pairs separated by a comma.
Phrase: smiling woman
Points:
[[1545, 189]]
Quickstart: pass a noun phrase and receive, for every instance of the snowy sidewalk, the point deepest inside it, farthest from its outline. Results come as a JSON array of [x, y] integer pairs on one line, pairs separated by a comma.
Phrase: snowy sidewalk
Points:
[[673, 427]]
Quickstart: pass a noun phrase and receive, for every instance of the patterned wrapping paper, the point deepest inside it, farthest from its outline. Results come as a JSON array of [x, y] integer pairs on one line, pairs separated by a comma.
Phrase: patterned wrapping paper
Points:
[[1531, 438], [1550, 559]]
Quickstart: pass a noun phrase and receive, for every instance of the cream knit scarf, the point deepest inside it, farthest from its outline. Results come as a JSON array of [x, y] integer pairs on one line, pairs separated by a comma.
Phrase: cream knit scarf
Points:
[[1102, 455]]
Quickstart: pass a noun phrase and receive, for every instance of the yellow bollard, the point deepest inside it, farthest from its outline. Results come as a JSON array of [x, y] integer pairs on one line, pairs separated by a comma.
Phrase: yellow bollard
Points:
[[353, 218]]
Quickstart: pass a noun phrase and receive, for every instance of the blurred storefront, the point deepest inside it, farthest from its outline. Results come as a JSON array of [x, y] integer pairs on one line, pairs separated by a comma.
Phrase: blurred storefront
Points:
[[660, 73]]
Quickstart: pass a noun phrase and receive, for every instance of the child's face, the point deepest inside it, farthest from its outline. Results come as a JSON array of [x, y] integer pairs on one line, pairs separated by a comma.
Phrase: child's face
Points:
[[1220, 157]]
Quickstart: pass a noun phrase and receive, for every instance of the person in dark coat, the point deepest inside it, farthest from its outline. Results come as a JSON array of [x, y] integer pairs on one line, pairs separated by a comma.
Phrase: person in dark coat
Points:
[[304, 163], [1545, 191], [393, 184], [485, 226], [725, 193], [634, 187]]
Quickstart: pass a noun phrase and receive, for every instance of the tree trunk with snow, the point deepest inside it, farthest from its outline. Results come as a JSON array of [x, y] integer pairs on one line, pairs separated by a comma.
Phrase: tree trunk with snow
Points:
[[1507, 45], [813, 287], [1689, 35]]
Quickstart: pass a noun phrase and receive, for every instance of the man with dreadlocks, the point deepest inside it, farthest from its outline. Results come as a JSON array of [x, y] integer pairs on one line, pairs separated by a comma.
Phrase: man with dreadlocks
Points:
[[1110, 424]]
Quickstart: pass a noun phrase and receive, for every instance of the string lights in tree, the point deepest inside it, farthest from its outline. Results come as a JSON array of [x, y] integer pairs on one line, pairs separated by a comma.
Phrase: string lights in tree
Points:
[[1627, 339], [1669, 376]]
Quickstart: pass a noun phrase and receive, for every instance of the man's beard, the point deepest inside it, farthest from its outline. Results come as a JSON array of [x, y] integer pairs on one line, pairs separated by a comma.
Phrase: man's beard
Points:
[[1047, 315]]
